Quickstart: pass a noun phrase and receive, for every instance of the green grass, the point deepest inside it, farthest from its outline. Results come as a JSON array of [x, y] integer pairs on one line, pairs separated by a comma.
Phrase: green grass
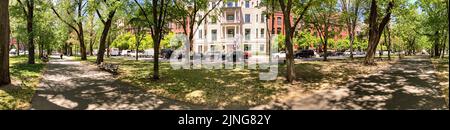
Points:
[[224, 87], [25, 78], [442, 69]]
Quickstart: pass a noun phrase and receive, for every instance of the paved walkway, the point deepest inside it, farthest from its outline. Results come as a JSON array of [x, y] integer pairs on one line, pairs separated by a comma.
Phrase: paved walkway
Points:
[[409, 84], [69, 84]]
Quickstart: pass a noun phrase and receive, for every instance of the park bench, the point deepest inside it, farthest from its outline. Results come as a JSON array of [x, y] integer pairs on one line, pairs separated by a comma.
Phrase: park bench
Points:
[[44, 59], [109, 67]]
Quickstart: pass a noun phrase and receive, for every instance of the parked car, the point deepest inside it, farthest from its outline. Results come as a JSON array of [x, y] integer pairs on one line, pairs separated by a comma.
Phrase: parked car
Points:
[[114, 51], [125, 53], [149, 53], [280, 55], [13, 51], [328, 53], [339, 53], [304, 54], [166, 53], [247, 54], [133, 54], [347, 53]]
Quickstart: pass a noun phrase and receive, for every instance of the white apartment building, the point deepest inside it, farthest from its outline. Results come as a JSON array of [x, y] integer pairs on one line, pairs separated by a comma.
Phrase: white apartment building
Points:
[[239, 25]]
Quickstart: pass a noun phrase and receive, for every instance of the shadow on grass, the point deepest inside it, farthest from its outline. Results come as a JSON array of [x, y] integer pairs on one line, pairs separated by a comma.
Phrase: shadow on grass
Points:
[[410, 84], [26, 76]]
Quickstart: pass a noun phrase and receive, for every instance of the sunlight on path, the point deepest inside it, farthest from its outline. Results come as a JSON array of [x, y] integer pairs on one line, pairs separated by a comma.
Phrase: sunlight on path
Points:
[[70, 84]]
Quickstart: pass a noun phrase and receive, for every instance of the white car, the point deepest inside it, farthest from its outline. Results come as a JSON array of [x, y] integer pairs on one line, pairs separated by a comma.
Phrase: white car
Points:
[[280, 55], [125, 52], [114, 52], [149, 53], [13, 51], [133, 54]]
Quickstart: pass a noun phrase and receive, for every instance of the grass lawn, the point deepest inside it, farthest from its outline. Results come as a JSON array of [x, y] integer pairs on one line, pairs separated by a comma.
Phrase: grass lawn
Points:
[[24, 78], [441, 66], [235, 88]]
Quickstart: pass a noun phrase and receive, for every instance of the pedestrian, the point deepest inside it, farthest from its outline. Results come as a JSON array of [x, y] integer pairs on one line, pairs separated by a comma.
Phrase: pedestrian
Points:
[[61, 55]]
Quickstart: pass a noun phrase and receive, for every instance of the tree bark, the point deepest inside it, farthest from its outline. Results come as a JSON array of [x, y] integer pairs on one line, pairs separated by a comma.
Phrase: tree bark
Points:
[[4, 43], [107, 24], [41, 50], [375, 30], [436, 44], [30, 15], [389, 42], [290, 74]]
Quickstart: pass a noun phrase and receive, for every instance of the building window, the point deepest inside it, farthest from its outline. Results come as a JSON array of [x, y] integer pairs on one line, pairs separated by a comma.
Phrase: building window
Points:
[[230, 17], [247, 18], [200, 33], [279, 20], [213, 47], [261, 47], [247, 4], [256, 18], [213, 20], [200, 49], [230, 4], [262, 32], [247, 47], [256, 33], [214, 35], [278, 30], [230, 33], [247, 34], [263, 18]]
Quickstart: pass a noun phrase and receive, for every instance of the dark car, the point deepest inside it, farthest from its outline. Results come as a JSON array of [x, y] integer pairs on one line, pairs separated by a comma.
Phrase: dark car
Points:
[[166, 53], [339, 54], [304, 54], [328, 53]]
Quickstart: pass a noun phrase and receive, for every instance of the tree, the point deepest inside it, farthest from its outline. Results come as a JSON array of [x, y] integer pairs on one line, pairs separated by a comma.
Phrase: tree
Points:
[[324, 21], [434, 23], [4, 43], [375, 29], [287, 7], [271, 8], [156, 15], [91, 30], [139, 32], [351, 10], [188, 12], [387, 38], [74, 16], [110, 7], [28, 10]]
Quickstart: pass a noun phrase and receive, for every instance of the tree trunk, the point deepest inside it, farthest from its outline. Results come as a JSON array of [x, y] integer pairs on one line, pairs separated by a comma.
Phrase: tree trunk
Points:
[[389, 42], [4, 43], [443, 46], [436, 44], [101, 50], [82, 45], [18, 48], [31, 59], [375, 29], [156, 60], [137, 51], [70, 50], [41, 50], [290, 51], [325, 49], [108, 51]]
